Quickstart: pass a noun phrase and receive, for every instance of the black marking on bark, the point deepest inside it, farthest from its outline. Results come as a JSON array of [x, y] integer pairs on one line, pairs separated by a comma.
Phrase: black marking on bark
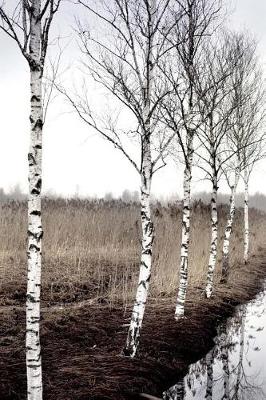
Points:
[[39, 183], [35, 212], [144, 264], [35, 191], [32, 299], [147, 252], [34, 65], [31, 159], [35, 98], [36, 236], [143, 283], [38, 124], [143, 214], [34, 247]]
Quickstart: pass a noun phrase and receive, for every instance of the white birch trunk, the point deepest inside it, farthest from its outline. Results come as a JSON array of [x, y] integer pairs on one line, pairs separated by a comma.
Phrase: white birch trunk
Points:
[[146, 222], [246, 219], [214, 233], [209, 385], [146, 259], [183, 272], [35, 231], [228, 231]]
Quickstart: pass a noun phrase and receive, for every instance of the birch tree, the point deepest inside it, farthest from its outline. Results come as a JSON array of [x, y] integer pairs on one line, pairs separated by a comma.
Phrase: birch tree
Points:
[[180, 110], [124, 60], [28, 24], [213, 91], [246, 101], [232, 178], [254, 150], [251, 155]]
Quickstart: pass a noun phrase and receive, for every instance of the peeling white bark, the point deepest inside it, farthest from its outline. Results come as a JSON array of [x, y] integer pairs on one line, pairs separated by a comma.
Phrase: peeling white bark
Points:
[[146, 258], [228, 230], [246, 218], [35, 231], [214, 234], [183, 271], [146, 178]]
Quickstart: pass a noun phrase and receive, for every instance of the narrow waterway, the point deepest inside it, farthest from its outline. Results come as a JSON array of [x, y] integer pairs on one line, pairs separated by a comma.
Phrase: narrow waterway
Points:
[[235, 369]]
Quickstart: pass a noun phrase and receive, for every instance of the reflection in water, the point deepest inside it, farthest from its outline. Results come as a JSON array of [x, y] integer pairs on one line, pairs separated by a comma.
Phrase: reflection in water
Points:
[[209, 384], [176, 392], [234, 368]]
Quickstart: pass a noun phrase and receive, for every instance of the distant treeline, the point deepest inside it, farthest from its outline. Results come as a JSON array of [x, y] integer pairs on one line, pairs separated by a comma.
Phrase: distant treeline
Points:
[[258, 200]]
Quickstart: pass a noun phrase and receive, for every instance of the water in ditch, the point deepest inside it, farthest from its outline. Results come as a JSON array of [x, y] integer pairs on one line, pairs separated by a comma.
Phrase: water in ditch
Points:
[[235, 369]]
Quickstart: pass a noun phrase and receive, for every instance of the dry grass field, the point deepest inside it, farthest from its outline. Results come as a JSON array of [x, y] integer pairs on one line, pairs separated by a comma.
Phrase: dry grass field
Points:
[[91, 252], [91, 249]]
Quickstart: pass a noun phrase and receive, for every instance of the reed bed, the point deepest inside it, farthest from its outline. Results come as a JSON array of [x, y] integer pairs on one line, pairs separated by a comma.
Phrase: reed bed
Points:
[[91, 248]]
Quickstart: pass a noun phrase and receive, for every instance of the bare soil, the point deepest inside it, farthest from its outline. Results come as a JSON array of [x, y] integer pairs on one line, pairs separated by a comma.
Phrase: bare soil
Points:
[[82, 343]]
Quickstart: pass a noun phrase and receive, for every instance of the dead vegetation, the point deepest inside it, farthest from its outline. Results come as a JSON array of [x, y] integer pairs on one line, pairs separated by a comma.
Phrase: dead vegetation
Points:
[[82, 348], [91, 260], [91, 249]]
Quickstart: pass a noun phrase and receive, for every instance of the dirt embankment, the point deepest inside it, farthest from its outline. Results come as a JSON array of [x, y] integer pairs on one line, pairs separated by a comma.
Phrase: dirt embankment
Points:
[[82, 346]]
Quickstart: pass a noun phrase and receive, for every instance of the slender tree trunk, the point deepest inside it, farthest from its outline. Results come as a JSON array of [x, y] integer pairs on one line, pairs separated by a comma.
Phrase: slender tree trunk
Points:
[[246, 219], [228, 231], [209, 386], [183, 272], [35, 231], [146, 256], [146, 178], [214, 233]]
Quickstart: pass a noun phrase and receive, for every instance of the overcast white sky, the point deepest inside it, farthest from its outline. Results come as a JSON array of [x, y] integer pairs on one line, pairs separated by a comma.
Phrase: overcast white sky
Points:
[[75, 158]]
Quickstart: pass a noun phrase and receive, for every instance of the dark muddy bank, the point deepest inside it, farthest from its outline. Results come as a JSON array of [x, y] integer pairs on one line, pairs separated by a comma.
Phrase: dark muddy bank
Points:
[[81, 347]]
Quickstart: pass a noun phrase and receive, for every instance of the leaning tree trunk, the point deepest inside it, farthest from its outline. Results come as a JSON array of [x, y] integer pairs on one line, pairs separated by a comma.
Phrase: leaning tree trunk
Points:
[[214, 234], [146, 178], [228, 231], [146, 254], [35, 231], [246, 219], [183, 272]]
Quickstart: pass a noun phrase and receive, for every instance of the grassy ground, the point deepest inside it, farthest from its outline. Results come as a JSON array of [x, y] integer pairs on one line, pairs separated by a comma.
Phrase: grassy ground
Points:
[[92, 249], [91, 263]]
